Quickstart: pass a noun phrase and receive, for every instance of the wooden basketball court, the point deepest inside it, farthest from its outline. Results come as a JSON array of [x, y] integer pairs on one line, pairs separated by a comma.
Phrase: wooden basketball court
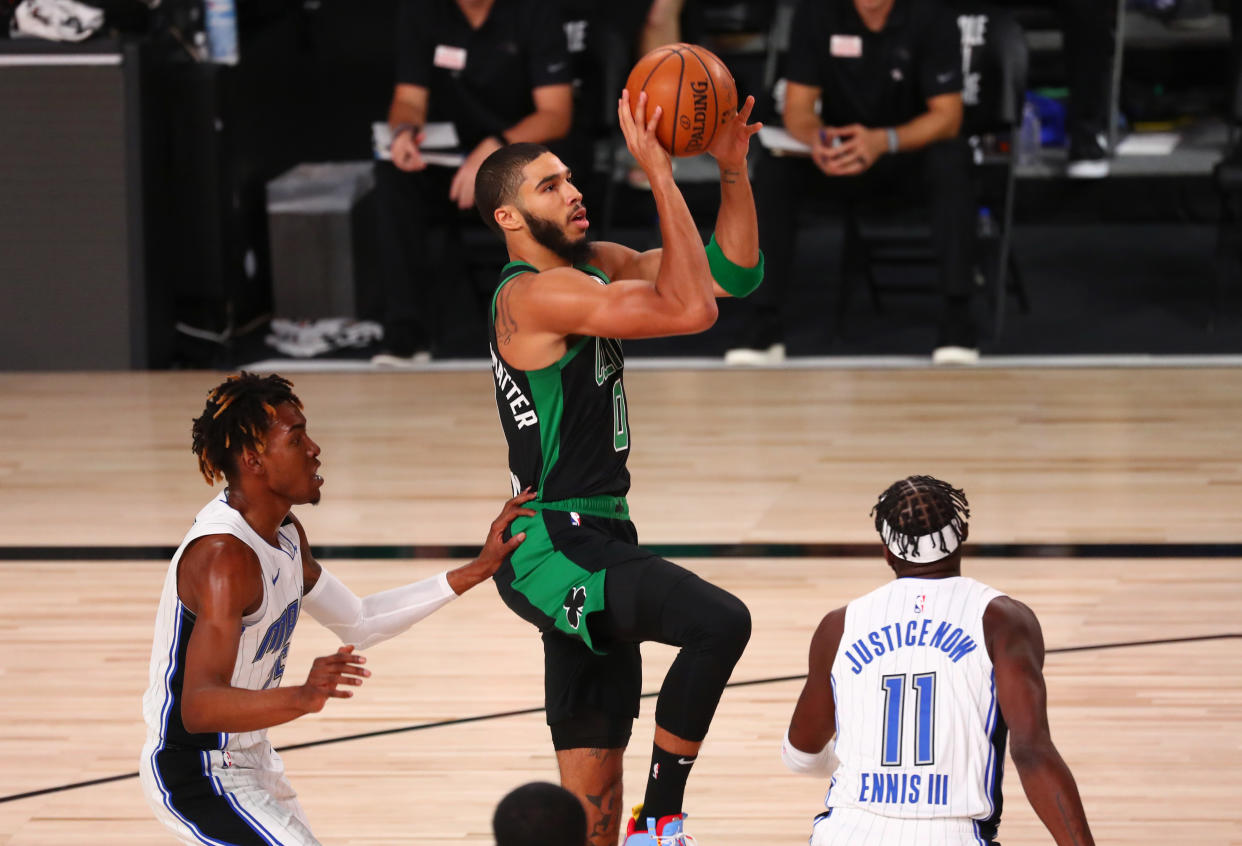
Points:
[[1110, 501]]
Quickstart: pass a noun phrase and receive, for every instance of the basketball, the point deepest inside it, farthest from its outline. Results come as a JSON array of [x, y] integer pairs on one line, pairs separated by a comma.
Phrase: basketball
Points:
[[695, 89]]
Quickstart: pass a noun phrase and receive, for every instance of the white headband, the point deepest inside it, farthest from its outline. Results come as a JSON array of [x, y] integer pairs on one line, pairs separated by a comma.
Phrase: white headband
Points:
[[923, 549]]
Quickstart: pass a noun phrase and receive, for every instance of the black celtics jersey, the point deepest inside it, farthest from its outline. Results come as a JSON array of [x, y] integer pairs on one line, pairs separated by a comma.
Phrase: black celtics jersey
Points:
[[566, 423]]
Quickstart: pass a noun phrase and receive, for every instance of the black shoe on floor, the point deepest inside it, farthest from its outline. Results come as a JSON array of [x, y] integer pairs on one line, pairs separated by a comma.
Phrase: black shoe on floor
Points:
[[1088, 156], [958, 341]]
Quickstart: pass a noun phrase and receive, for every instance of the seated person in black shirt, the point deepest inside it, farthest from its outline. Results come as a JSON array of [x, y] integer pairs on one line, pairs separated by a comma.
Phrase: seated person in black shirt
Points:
[[498, 70], [887, 75]]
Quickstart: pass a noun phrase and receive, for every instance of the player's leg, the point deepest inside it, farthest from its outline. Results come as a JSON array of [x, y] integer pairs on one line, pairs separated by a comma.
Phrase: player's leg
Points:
[[653, 599], [591, 704], [205, 797]]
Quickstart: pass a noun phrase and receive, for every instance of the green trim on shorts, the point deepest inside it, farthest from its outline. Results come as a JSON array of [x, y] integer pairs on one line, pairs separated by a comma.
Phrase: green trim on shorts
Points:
[[547, 577], [608, 507]]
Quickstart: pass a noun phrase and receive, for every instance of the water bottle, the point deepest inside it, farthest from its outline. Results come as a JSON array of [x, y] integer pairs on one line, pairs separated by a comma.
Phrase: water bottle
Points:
[[1028, 136], [222, 31], [985, 227]]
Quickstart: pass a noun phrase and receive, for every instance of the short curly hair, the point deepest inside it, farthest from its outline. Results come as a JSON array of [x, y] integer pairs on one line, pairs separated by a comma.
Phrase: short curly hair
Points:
[[238, 414]]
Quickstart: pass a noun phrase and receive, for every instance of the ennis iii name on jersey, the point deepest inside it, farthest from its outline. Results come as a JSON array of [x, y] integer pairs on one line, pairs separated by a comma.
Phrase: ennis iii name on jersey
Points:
[[919, 733], [566, 423]]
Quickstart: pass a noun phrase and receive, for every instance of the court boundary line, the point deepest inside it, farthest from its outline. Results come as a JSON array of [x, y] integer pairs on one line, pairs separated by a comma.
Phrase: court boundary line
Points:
[[499, 715], [758, 549], [1069, 361]]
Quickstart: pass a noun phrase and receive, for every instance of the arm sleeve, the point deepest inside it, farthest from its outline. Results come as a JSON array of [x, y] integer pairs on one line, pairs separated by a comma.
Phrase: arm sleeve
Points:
[[940, 70], [822, 764], [414, 43], [366, 622]]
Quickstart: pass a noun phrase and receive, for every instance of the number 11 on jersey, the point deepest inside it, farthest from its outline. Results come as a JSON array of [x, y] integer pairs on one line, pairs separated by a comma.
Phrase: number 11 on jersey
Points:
[[894, 687]]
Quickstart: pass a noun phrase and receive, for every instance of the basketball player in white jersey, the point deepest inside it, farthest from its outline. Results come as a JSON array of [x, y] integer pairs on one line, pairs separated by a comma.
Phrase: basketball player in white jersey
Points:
[[233, 594], [917, 684]]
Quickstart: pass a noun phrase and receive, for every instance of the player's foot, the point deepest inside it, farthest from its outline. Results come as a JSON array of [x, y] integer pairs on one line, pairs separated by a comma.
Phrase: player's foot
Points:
[[667, 831]]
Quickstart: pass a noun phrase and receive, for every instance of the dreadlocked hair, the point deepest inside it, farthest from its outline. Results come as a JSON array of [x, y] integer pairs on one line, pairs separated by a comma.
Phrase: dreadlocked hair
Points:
[[918, 506], [237, 417]]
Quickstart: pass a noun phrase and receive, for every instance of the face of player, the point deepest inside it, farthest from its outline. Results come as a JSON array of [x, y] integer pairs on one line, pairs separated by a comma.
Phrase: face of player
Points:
[[291, 458], [552, 207]]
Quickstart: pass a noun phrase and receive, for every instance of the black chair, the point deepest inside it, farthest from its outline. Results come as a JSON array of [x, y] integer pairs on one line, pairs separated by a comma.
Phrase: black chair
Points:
[[994, 77]]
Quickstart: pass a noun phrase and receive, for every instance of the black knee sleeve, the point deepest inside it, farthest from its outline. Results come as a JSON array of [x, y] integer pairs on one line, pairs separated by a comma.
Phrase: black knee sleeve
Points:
[[712, 626]]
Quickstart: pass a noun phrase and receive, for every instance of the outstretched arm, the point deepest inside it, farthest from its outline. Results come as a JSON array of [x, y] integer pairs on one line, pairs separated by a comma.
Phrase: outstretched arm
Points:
[[737, 227], [1016, 645], [814, 718], [734, 261], [364, 622]]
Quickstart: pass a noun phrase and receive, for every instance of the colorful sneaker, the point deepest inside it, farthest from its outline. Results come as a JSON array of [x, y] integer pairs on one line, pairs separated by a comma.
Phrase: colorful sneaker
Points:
[[665, 832]]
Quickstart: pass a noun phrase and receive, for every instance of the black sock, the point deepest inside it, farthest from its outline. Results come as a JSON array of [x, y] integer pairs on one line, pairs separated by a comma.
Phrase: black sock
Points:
[[666, 784]]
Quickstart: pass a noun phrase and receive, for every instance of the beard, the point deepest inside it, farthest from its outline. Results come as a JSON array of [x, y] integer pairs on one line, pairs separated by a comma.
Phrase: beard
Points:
[[550, 236]]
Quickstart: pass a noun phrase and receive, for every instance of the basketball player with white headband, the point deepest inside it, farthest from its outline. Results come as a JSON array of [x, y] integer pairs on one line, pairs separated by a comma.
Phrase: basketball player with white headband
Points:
[[913, 689]]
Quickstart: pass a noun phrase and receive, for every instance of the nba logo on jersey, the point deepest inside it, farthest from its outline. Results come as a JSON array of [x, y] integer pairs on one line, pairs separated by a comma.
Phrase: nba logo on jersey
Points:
[[919, 601], [575, 518]]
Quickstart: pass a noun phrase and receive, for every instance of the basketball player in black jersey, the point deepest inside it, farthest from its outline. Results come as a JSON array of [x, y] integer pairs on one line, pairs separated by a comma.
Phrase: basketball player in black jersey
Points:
[[561, 308]]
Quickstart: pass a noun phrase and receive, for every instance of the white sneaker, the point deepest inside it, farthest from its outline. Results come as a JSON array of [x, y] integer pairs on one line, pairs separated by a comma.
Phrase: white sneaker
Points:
[[958, 356], [55, 20], [745, 357], [1087, 169]]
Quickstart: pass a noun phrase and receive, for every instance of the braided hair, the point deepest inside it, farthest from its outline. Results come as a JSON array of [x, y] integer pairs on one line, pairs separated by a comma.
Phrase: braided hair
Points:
[[238, 414], [918, 506]]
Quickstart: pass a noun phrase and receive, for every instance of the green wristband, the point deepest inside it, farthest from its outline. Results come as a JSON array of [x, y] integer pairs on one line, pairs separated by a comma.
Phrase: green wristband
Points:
[[737, 280]]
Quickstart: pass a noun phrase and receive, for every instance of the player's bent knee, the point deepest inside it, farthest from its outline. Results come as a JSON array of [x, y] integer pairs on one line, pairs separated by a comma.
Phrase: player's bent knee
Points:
[[729, 625]]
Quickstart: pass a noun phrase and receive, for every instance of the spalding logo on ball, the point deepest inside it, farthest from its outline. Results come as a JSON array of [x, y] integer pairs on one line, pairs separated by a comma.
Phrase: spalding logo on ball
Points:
[[694, 88]]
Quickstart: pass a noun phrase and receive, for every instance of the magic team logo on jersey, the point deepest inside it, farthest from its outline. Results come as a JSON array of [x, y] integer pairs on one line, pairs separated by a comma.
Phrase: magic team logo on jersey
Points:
[[574, 602], [608, 359], [276, 639]]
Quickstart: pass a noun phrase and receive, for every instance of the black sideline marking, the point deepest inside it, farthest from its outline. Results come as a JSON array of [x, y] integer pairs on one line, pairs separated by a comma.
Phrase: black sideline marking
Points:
[[525, 711], [330, 552]]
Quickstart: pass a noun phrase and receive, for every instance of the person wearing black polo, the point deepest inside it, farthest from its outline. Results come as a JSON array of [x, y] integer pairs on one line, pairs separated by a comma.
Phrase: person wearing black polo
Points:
[[887, 75], [499, 71]]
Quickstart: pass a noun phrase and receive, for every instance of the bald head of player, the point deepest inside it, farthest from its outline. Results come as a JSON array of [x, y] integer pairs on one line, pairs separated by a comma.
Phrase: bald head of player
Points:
[[922, 522]]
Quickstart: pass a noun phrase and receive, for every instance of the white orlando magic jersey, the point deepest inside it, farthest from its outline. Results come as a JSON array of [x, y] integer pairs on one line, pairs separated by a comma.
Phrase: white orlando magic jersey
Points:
[[919, 734], [265, 633]]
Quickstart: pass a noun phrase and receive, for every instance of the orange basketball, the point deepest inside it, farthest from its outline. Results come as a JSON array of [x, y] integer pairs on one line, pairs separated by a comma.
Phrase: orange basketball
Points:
[[694, 87]]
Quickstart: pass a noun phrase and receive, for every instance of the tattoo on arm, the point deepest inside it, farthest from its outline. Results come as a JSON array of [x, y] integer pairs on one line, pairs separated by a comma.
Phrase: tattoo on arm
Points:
[[730, 176], [505, 324]]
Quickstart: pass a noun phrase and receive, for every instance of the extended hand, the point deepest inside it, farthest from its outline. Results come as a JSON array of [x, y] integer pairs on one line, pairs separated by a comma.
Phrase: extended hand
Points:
[[640, 135], [328, 672], [732, 140], [496, 549]]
